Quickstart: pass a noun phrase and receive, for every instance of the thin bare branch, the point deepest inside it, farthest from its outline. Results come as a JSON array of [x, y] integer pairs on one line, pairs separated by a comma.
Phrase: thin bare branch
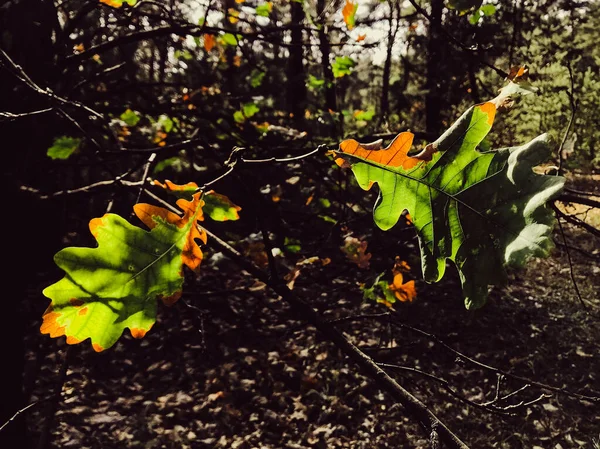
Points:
[[571, 270]]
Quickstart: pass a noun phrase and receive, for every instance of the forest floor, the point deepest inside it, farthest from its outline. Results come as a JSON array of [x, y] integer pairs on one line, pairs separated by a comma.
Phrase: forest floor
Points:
[[231, 367]]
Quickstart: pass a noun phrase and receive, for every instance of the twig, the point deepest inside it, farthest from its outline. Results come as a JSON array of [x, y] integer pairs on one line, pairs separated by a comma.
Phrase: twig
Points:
[[567, 198], [83, 189], [580, 192], [217, 179], [488, 407], [17, 70], [23, 410], [493, 369], [577, 222], [200, 316], [80, 128], [580, 250], [571, 271], [145, 175], [285, 159], [475, 362], [367, 316], [92, 115], [573, 104], [189, 143], [11, 116]]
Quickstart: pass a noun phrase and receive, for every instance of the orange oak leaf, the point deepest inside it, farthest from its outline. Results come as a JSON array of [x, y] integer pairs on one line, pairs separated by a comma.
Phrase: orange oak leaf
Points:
[[209, 42], [218, 207], [394, 155], [192, 210], [404, 292], [349, 13], [400, 266]]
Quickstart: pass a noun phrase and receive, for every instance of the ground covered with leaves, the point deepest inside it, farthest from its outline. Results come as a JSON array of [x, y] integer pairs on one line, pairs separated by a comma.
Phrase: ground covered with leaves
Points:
[[230, 366]]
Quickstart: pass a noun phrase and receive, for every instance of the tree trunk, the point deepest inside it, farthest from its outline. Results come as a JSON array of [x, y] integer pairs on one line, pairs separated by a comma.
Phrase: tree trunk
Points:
[[27, 38], [296, 88], [325, 48], [433, 101], [387, 66]]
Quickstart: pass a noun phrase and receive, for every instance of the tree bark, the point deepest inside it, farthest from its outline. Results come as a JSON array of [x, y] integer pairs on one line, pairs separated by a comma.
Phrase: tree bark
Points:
[[387, 66], [433, 101], [325, 48], [296, 87]]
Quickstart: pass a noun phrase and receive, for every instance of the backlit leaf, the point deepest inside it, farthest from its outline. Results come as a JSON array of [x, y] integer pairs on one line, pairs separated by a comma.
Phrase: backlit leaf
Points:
[[130, 117], [342, 66], [116, 285], [481, 210], [403, 291], [249, 109], [209, 42], [234, 15], [63, 147], [314, 82], [118, 3], [364, 115], [166, 123], [256, 78], [349, 13], [229, 39], [218, 207], [488, 9], [264, 9]]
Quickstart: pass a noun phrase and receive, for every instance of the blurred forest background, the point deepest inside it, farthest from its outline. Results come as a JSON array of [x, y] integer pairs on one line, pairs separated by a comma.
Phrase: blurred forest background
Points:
[[98, 96]]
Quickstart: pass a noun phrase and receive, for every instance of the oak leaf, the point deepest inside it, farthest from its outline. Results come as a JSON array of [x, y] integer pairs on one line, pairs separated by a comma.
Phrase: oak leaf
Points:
[[116, 285], [209, 42], [349, 13], [218, 207], [481, 210]]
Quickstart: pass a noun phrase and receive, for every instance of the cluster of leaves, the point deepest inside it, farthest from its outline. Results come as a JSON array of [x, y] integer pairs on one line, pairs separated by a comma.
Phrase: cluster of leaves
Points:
[[482, 210], [388, 293], [117, 284]]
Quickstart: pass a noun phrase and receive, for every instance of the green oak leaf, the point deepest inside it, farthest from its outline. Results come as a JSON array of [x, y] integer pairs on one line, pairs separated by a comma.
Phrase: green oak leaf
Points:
[[342, 66], [63, 147], [264, 9], [131, 118], [481, 210], [220, 208], [116, 285]]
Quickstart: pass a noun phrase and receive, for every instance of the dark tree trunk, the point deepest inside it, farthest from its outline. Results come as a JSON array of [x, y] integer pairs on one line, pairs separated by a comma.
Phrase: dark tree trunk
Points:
[[30, 225], [433, 101], [296, 89], [474, 88], [516, 31], [387, 66], [325, 48]]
